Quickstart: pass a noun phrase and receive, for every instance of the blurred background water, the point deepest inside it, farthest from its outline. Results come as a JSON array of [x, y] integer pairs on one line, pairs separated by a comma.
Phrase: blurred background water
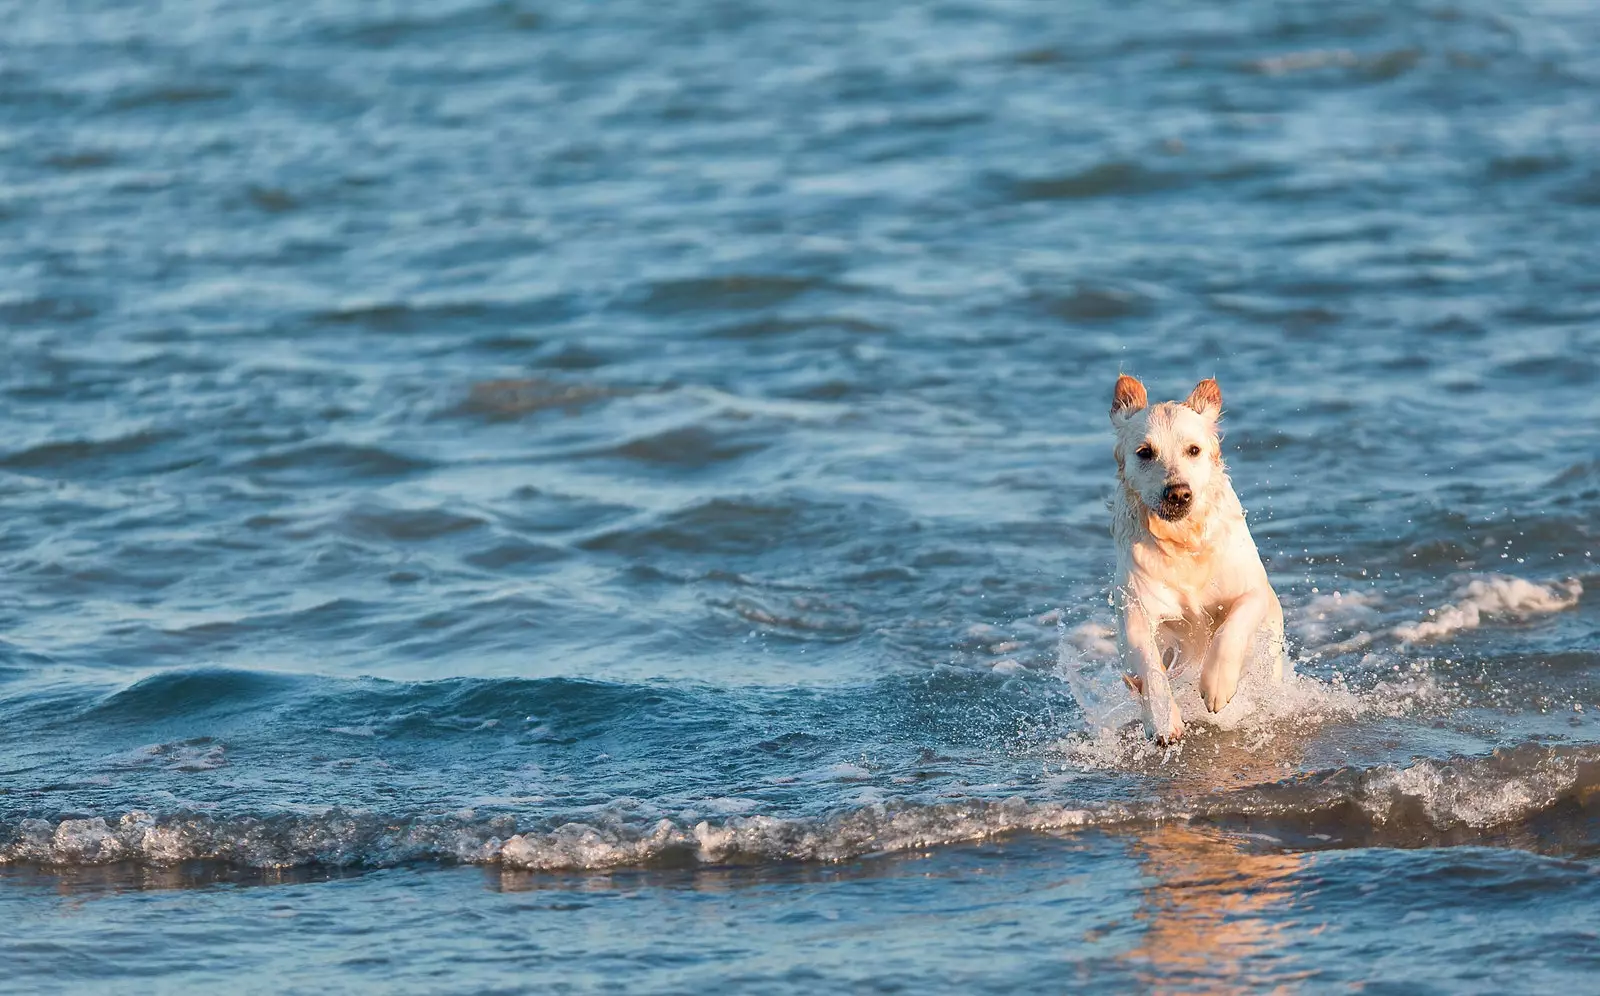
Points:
[[504, 494]]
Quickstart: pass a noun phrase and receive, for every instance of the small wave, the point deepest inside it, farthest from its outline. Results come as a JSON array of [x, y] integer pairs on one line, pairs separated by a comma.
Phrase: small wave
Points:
[[46, 309], [743, 526], [1491, 596], [1577, 476], [509, 399], [1095, 302], [1376, 67], [1339, 622], [1459, 799], [1521, 165], [81, 159], [80, 454], [799, 616], [384, 32], [732, 292], [772, 327], [1277, 311], [334, 463], [691, 447], [472, 315], [198, 754], [1106, 179], [210, 691], [391, 709], [406, 525], [272, 200], [513, 553], [1558, 368], [168, 94], [1329, 614]]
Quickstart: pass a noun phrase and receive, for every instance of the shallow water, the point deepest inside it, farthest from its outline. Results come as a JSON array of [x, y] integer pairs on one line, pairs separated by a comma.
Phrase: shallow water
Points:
[[507, 495]]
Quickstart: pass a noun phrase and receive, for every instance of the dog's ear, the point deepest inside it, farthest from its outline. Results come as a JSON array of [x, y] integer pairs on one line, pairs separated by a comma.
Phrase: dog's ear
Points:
[[1127, 397], [1206, 398]]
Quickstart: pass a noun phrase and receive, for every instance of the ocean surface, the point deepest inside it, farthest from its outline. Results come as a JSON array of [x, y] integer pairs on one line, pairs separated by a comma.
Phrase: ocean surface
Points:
[[508, 495]]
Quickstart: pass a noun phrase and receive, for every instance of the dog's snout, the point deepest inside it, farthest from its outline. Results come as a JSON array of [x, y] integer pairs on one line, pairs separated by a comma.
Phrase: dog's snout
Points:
[[1175, 501]]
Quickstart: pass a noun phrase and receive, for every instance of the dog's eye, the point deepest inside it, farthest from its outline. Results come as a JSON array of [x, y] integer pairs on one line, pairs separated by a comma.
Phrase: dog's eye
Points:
[[1194, 450], [1144, 452]]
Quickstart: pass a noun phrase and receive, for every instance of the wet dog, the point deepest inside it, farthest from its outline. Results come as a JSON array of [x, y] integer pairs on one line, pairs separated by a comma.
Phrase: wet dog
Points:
[[1191, 589]]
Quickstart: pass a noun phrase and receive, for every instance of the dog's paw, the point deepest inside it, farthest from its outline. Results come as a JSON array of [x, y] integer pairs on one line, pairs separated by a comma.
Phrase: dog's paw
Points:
[[1165, 736], [1165, 729], [1216, 693]]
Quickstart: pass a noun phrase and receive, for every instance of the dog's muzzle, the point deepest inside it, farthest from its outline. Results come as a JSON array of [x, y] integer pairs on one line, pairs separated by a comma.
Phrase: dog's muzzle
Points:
[[1175, 502]]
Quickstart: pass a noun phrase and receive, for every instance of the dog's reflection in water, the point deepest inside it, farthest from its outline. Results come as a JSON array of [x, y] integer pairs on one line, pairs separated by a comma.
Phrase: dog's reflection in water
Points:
[[1214, 913], [1218, 903]]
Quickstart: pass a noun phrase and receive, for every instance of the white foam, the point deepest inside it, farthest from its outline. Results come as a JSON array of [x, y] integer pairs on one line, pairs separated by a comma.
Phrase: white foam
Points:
[[1329, 613], [1491, 596], [178, 756], [1299, 62], [1086, 659], [836, 773], [1114, 737], [1095, 638], [1261, 710], [1428, 796], [1473, 794]]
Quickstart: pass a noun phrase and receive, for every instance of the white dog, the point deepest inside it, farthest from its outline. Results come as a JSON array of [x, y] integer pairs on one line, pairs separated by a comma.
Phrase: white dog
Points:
[[1191, 588]]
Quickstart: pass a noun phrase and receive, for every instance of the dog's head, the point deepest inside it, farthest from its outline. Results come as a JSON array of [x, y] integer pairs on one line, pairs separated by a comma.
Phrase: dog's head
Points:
[[1169, 454]]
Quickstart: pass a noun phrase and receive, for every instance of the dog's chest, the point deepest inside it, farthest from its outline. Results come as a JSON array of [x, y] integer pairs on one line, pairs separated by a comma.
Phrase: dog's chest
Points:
[[1183, 586]]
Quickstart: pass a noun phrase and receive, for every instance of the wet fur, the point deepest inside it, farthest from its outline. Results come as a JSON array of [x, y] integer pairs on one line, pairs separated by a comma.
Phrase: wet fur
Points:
[[1191, 589]]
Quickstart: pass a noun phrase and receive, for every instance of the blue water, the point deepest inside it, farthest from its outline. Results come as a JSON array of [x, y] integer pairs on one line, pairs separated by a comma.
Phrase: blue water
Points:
[[519, 496]]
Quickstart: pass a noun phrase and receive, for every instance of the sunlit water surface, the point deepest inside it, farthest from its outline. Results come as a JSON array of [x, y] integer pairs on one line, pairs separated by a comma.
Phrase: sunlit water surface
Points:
[[517, 495]]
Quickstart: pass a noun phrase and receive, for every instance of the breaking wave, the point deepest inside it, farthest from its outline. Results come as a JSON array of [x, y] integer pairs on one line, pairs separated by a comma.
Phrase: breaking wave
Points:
[[1460, 800], [1491, 596], [1477, 601]]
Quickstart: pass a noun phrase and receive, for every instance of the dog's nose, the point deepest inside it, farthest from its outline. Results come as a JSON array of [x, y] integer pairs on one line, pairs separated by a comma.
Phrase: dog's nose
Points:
[[1177, 494]]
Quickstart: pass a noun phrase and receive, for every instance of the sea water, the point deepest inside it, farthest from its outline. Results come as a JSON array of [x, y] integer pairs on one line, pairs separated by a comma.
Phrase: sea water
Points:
[[504, 495]]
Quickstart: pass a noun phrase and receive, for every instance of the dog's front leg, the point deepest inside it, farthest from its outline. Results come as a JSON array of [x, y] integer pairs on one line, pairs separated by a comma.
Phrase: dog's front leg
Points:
[[1142, 654], [1224, 661]]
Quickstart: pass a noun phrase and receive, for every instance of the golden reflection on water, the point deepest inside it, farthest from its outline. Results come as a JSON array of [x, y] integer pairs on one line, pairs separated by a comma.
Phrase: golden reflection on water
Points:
[[1214, 913], [1217, 909]]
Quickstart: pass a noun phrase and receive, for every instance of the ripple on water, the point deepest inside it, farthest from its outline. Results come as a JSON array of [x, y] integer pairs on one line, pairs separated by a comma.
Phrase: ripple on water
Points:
[[1096, 302], [690, 448], [146, 451], [773, 327], [173, 95], [387, 31], [437, 317], [405, 525], [800, 616], [333, 464], [744, 526], [1115, 178], [513, 554], [514, 398], [733, 292]]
